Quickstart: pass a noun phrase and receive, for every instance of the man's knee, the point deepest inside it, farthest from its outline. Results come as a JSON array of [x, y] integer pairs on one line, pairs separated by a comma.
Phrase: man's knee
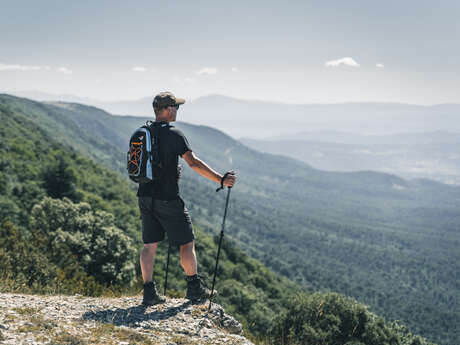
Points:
[[151, 247]]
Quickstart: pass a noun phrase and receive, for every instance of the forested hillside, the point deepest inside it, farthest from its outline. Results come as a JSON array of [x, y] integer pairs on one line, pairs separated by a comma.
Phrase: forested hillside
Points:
[[69, 225], [389, 242], [255, 221]]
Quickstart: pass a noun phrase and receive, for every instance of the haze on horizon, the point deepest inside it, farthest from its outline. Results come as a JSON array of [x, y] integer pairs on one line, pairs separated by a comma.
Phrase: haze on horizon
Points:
[[300, 52]]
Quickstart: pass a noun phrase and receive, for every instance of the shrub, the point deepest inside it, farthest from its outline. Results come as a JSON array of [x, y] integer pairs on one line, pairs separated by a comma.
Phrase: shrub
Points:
[[325, 319], [68, 231]]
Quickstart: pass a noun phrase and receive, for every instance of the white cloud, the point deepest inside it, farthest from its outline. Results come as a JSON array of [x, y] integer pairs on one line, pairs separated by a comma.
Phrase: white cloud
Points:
[[347, 61], [234, 69], [141, 69], [64, 70], [207, 70], [5, 67], [183, 81], [379, 65], [16, 67]]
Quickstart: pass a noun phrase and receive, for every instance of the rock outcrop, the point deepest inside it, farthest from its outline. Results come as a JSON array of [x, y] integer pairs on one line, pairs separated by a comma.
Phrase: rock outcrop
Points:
[[33, 319]]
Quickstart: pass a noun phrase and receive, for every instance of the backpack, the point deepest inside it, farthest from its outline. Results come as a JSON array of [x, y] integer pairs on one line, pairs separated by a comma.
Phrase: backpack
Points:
[[143, 159]]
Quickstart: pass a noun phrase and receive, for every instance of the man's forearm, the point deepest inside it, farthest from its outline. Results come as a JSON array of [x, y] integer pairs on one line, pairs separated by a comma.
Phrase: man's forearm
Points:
[[204, 170]]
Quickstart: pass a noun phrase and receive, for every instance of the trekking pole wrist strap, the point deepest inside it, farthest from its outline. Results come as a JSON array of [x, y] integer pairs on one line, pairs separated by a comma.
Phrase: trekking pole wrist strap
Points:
[[222, 181]]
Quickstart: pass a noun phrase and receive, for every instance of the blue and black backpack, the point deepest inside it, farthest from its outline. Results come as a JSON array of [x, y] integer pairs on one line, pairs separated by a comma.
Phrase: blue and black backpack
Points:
[[143, 159]]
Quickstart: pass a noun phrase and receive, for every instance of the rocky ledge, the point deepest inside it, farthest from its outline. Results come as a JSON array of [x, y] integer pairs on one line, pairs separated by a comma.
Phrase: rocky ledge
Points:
[[79, 320]]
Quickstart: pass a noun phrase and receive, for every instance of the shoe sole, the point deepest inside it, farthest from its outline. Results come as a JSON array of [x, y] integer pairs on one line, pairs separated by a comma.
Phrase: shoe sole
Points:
[[198, 299], [152, 303]]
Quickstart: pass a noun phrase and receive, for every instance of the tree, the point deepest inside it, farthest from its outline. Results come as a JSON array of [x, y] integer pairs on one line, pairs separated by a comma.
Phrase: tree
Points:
[[59, 179], [331, 318], [66, 231], [21, 259]]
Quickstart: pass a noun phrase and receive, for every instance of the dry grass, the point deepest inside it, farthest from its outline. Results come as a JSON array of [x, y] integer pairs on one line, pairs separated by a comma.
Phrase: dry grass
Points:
[[73, 333], [68, 339], [180, 340], [26, 311], [102, 334], [8, 318], [120, 334]]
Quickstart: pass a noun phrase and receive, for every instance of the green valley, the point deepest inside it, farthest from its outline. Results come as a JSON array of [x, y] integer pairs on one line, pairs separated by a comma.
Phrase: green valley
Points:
[[388, 242]]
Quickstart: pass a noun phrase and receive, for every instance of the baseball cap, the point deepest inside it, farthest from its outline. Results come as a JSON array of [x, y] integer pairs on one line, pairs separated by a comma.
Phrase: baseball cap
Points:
[[166, 99]]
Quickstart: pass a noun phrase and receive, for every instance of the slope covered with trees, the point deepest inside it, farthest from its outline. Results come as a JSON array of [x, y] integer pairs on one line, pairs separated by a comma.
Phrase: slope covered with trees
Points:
[[69, 225], [386, 241], [253, 294]]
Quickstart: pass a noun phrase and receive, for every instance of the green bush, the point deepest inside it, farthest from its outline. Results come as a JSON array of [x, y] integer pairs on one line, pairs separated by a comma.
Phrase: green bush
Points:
[[62, 229], [326, 319], [21, 259]]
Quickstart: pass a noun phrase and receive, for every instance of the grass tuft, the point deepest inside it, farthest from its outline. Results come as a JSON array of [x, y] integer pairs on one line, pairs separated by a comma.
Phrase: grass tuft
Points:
[[27, 311]]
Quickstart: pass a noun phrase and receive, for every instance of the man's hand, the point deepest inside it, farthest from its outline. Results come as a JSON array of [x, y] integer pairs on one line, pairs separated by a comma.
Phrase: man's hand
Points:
[[230, 179]]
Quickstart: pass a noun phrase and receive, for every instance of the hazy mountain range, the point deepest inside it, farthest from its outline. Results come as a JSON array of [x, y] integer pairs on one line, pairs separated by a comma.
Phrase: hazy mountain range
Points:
[[261, 119], [408, 140], [433, 155]]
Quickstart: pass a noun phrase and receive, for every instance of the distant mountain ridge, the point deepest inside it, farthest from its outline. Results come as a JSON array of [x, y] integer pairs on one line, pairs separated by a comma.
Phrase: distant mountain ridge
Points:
[[432, 155], [261, 119], [339, 137]]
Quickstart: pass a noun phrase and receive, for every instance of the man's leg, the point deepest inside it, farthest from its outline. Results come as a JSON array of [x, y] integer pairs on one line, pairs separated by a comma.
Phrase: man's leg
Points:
[[151, 296], [188, 258], [146, 260], [195, 289]]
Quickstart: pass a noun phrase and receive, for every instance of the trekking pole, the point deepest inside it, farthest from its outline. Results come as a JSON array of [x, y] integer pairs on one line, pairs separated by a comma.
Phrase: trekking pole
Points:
[[221, 236], [167, 267]]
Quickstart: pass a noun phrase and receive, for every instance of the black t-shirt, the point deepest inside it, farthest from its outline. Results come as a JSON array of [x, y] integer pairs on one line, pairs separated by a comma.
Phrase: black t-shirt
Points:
[[173, 144]]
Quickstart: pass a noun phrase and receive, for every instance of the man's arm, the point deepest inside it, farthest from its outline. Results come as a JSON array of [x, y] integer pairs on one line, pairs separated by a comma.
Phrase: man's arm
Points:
[[204, 170]]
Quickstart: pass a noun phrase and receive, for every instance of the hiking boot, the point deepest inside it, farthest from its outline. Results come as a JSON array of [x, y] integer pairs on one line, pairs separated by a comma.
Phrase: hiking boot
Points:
[[151, 296], [196, 291]]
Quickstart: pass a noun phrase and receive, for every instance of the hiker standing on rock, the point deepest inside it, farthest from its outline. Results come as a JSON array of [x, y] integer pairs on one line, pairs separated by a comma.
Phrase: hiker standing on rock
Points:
[[163, 210]]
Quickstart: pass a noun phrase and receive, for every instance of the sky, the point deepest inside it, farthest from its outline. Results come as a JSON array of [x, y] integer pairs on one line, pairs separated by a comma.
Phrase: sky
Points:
[[293, 52]]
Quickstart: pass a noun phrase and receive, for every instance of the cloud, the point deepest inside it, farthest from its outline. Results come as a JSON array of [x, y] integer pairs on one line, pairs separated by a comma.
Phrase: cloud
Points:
[[141, 69], [16, 67], [234, 69], [379, 65], [64, 70], [207, 70], [5, 67], [183, 81], [347, 61]]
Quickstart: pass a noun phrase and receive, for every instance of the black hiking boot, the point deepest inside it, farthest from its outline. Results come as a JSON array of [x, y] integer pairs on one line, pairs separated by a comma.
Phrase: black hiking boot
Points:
[[151, 296], [196, 291]]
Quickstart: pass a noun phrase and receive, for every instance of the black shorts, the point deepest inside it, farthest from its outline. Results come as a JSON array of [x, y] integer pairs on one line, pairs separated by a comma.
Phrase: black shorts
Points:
[[170, 216]]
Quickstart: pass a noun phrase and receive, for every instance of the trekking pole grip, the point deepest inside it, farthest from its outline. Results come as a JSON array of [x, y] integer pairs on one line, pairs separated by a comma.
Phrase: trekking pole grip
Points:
[[222, 180]]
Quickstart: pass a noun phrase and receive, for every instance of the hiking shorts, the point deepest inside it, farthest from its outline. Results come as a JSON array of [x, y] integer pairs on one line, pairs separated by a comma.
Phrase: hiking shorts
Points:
[[165, 216]]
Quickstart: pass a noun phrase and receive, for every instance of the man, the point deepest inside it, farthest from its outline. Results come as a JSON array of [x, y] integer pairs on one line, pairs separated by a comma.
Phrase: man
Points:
[[163, 210]]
